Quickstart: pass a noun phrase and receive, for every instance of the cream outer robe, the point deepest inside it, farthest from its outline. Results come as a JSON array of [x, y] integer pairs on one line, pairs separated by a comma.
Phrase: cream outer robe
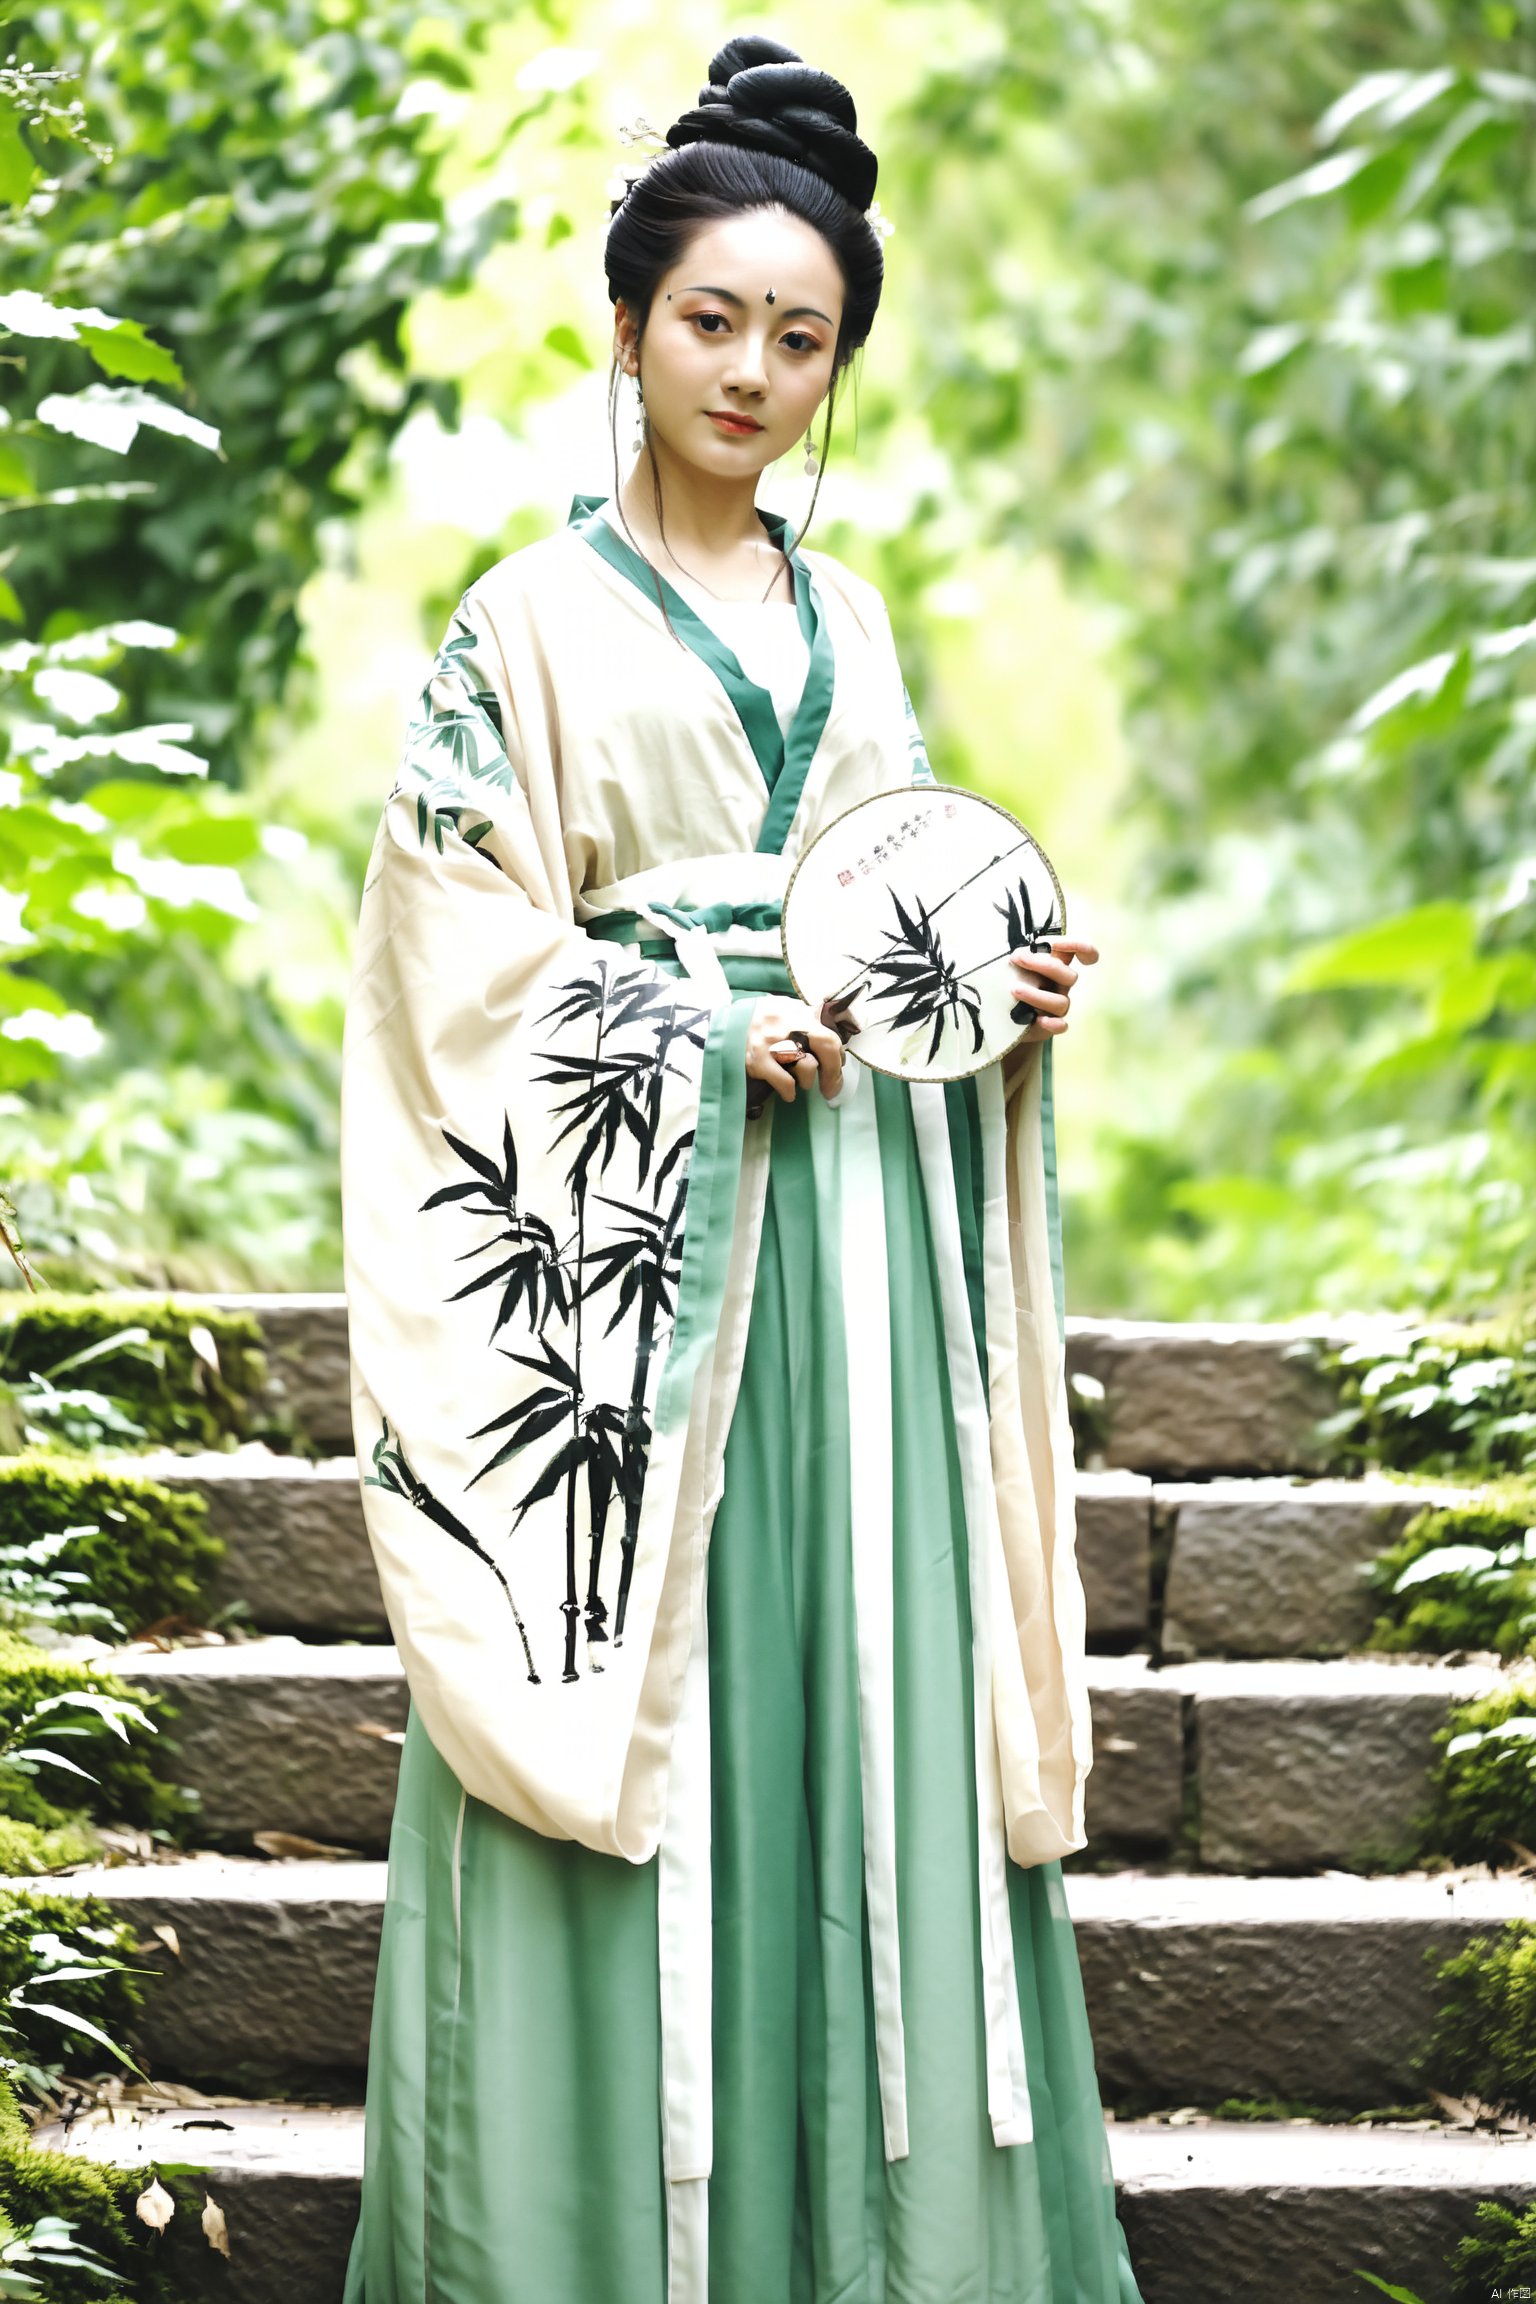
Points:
[[551, 1204]]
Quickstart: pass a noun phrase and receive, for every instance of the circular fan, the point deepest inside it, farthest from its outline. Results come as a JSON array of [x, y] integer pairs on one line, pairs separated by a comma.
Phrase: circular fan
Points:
[[902, 914]]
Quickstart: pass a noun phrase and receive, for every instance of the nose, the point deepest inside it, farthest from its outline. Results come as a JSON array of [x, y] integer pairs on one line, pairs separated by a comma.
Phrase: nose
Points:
[[748, 370]]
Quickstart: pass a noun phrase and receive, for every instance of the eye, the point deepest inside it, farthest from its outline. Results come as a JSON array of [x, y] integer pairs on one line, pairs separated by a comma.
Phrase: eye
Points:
[[702, 316], [801, 342]]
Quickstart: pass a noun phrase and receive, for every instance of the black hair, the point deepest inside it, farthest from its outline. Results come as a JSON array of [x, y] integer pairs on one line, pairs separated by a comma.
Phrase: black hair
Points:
[[768, 131]]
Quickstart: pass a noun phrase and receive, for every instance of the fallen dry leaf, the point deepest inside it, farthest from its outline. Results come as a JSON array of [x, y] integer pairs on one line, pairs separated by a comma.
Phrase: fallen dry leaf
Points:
[[167, 1936], [381, 1729], [214, 2225], [155, 2207], [295, 1844]]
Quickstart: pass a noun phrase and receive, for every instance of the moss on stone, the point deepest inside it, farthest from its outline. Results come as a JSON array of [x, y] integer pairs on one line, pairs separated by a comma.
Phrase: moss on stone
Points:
[[1482, 1792], [30, 1849], [167, 1384], [131, 1785], [147, 1549], [1474, 1604], [1484, 2040]]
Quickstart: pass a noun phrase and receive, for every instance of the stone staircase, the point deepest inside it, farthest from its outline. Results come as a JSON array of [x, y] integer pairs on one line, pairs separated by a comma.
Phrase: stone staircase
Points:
[[1239, 1933]]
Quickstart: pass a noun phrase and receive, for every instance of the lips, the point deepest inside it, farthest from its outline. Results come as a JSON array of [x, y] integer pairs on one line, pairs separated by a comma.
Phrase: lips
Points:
[[741, 424]]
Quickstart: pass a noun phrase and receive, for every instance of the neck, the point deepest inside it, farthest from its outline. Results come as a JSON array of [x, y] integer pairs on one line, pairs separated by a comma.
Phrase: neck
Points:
[[709, 511]]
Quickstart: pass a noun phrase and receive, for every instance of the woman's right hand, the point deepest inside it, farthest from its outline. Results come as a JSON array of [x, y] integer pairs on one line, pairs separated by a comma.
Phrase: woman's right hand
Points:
[[789, 1047]]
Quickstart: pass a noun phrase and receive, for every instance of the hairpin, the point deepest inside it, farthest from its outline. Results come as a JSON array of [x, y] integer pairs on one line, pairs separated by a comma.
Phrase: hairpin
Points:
[[639, 130]]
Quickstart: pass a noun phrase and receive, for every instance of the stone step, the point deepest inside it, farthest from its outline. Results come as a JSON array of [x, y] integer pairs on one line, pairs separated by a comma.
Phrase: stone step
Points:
[[298, 1557], [1279, 2214], [1302, 1764], [281, 1735], [1178, 1398], [1274, 1567], [1212, 2210], [1317, 1989], [1263, 1567], [1199, 1987], [1296, 1764]]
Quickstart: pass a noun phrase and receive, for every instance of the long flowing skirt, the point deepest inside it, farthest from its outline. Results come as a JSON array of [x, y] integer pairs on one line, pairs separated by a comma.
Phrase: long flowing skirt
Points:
[[513, 2136]]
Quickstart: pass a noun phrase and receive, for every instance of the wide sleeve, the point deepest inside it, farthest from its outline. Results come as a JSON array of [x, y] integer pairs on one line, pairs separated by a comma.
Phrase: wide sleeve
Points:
[[541, 1137]]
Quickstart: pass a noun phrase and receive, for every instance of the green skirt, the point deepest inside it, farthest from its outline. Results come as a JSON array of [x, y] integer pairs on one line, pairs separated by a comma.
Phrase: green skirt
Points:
[[513, 2126]]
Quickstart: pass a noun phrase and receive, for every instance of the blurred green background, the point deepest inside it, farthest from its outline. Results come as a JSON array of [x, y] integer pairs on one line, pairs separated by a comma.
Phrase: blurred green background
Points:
[[1193, 451]]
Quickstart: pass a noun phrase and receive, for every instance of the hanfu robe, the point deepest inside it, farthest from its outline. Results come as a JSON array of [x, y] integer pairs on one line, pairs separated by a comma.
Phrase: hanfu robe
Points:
[[718, 1474]]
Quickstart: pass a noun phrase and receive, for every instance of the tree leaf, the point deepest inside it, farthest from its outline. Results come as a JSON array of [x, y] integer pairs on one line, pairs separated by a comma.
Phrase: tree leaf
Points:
[[74, 2023], [1318, 182], [1411, 949], [564, 340], [18, 169], [109, 416], [215, 2228], [125, 350], [118, 346], [154, 2206]]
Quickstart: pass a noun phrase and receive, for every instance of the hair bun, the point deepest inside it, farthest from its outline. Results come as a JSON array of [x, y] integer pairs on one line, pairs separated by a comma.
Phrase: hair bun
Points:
[[762, 94]]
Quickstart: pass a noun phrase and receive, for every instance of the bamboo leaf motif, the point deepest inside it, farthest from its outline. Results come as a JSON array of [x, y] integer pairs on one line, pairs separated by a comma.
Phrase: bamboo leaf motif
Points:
[[1017, 914], [532, 1271], [616, 1246], [393, 1473], [453, 745], [913, 970]]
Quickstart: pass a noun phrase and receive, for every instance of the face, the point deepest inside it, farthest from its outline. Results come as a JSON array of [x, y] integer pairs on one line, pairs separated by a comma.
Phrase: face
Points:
[[715, 344]]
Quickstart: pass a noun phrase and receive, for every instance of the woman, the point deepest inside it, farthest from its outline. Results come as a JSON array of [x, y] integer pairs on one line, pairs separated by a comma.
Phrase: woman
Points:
[[717, 1467]]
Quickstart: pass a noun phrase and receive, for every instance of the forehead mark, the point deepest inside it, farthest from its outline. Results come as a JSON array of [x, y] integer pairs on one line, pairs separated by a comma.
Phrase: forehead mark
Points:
[[729, 296]]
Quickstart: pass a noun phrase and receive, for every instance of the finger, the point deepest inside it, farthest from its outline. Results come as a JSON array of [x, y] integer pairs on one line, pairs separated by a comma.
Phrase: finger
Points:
[[807, 1072], [1044, 1028], [768, 1062], [792, 1055], [1046, 964], [1039, 996], [820, 1046], [826, 1048], [781, 1082], [1079, 945]]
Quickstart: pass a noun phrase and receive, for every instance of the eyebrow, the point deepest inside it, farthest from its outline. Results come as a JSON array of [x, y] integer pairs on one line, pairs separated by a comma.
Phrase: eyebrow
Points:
[[795, 312]]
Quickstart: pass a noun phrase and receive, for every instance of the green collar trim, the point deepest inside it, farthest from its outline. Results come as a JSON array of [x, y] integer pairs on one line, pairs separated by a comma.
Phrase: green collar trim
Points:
[[784, 757]]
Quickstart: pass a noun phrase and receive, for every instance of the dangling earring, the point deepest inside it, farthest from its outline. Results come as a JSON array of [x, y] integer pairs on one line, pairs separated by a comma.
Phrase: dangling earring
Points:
[[639, 439], [812, 464]]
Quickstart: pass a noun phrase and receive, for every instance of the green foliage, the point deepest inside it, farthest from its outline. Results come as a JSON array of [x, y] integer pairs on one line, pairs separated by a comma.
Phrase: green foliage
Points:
[[144, 1550], [1484, 2040], [97, 2199], [125, 1788], [209, 260], [274, 202], [50, 1941], [1248, 349], [1461, 1576], [1483, 1785], [1498, 2256], [35, 1848], [119, 1368], [1439, 1400]]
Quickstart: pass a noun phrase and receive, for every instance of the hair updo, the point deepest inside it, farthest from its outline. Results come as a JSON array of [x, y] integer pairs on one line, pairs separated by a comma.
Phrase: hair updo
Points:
[[768, 131]]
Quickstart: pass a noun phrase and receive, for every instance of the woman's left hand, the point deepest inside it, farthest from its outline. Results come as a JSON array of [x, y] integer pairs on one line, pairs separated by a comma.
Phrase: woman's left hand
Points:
[[1045, 983]]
